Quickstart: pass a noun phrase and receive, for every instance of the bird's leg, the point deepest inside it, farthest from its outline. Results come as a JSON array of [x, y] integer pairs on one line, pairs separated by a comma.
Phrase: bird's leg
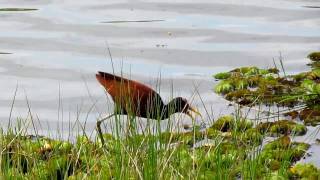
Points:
[[99, 127]]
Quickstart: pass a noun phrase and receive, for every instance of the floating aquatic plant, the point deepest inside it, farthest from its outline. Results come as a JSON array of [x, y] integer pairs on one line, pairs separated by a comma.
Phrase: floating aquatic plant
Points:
[[275, 157], [310, 116], [283, 148], [282, 127], [223, 75], [314, 56], [304, 171], [230, 123], [188, 138], [249, 86]]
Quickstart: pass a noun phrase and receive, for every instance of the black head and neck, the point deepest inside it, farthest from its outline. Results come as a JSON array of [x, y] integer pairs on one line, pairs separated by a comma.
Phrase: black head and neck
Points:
[[179, 105]]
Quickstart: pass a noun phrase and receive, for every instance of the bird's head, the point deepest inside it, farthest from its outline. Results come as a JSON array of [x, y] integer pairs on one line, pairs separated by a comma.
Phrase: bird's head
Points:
[[182, 105]]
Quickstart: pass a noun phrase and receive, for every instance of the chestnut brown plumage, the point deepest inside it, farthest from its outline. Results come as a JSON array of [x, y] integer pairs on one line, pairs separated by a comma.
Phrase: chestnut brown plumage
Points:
[[134, 98]]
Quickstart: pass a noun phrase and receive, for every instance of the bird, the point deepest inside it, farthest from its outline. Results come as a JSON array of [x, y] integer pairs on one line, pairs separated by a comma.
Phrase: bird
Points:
[[137, 99]]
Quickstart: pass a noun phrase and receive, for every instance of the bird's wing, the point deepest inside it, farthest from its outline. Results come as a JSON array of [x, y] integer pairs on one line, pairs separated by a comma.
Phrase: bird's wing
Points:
[[123, 90]]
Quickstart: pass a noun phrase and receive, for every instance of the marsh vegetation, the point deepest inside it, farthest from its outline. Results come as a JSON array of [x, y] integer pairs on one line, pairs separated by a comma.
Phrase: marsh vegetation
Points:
[[231, 147]]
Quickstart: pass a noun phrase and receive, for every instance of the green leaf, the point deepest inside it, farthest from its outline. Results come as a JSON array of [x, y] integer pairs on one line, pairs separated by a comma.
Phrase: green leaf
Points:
[[223, 75], [224, 87]]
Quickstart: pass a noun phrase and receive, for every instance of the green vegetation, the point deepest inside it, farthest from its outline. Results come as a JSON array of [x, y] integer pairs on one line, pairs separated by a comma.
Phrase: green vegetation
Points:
[[231, 152], [232, 147], [282, 127], [315, 56], [229, 123], [275, 159], [310, 116], [304, 171], [249, 86]]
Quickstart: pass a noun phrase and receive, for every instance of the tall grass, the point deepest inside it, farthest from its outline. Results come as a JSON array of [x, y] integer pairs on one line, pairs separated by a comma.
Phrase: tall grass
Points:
[[132, 151]]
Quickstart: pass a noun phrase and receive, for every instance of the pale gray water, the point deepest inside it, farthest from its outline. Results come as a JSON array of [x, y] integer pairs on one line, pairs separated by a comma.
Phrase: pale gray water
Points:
[[57, 49]]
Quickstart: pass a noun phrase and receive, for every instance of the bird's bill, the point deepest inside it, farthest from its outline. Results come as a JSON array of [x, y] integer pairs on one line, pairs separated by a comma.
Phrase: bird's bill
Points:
[[192, 112]]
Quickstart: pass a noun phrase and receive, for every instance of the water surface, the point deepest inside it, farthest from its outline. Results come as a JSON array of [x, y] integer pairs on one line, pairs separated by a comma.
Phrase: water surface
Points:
[[58, 48]]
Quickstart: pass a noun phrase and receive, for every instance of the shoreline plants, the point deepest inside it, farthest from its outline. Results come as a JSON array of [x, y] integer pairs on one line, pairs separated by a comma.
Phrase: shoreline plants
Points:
[[231, 147]]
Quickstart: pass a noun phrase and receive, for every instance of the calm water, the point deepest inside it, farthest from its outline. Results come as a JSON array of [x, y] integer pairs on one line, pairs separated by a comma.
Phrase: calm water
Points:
[[57, 49]]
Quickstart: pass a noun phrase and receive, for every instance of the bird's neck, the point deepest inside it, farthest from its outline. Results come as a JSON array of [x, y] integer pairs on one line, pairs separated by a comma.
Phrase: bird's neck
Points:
[[169, 109]]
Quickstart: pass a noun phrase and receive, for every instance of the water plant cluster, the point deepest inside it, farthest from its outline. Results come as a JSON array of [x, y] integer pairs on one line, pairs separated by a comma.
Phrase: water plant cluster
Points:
[[232, 147], [251, 86]]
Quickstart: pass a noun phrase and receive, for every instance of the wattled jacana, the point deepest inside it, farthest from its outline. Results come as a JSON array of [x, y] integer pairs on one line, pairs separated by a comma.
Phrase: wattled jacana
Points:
[[134, 98]]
